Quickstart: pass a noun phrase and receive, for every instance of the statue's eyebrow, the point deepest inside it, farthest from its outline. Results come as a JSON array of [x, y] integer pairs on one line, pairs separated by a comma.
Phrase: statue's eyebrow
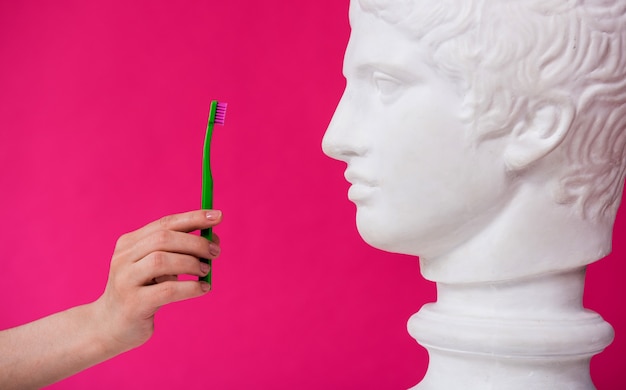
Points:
[[401, 73]]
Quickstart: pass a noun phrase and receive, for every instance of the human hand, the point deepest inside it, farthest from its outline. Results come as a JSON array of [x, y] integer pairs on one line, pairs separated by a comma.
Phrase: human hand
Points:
[[144, 274]]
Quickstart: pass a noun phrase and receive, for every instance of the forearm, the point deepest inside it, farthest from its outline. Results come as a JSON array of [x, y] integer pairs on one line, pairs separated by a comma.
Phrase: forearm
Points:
[[52, 348]]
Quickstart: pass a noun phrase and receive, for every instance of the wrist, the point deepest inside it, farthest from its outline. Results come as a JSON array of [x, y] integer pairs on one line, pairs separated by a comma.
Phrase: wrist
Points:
[[105, 336]]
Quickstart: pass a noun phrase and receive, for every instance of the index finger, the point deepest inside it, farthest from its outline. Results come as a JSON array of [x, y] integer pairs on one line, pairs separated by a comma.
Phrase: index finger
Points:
[[183, 222]]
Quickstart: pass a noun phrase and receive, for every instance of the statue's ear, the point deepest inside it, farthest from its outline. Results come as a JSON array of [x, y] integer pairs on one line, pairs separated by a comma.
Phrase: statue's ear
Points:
[[540, 135]]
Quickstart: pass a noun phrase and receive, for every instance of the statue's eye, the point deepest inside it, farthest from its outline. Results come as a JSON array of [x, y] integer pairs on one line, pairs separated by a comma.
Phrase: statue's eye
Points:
[[387, 86]]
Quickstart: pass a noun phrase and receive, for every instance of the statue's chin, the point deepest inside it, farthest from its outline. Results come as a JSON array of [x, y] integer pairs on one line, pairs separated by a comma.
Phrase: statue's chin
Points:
[[383, 237], [373, 235]]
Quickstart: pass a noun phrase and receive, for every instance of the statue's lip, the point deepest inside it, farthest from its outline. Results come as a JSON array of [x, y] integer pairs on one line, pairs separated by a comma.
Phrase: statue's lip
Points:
[[355, 178]]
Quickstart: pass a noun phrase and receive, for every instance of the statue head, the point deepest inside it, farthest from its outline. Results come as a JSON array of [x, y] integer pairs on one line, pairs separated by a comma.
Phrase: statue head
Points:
[[487, 137]]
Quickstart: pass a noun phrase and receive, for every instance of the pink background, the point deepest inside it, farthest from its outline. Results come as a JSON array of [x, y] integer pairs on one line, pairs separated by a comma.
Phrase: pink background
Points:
[[102, 114]]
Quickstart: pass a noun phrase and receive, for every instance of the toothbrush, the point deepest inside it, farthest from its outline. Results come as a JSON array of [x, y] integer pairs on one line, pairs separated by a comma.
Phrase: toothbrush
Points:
[[217, 114]]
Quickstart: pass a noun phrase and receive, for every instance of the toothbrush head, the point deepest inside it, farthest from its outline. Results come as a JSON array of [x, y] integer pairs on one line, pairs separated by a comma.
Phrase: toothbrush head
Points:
[[218, 112]]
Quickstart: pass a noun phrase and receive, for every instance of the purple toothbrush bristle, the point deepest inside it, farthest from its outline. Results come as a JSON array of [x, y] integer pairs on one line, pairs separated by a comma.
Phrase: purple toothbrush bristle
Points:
[[220, 113]]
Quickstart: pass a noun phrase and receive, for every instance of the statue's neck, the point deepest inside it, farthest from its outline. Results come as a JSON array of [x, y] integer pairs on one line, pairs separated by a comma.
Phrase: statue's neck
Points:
[[555, 295]]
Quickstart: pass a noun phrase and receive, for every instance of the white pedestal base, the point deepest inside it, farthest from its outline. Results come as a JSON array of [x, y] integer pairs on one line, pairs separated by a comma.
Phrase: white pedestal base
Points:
[[511, 335]]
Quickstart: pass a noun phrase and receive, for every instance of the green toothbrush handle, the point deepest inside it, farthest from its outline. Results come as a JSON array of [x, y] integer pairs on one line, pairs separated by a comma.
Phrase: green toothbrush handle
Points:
[[217, 112], [208, 234], [207, 204], [207, 188]]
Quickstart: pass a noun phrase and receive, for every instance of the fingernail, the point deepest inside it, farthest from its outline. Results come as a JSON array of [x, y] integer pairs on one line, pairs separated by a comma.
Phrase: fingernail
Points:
[[205, 286], [213, 215], [204, 268], [214, 249]]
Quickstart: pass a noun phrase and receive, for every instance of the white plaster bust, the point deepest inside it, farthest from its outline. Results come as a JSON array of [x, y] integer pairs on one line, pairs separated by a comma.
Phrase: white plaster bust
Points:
[[488, 138]]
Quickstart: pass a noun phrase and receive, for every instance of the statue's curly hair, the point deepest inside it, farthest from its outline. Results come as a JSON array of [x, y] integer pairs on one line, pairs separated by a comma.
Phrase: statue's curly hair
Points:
[[513, 57]]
